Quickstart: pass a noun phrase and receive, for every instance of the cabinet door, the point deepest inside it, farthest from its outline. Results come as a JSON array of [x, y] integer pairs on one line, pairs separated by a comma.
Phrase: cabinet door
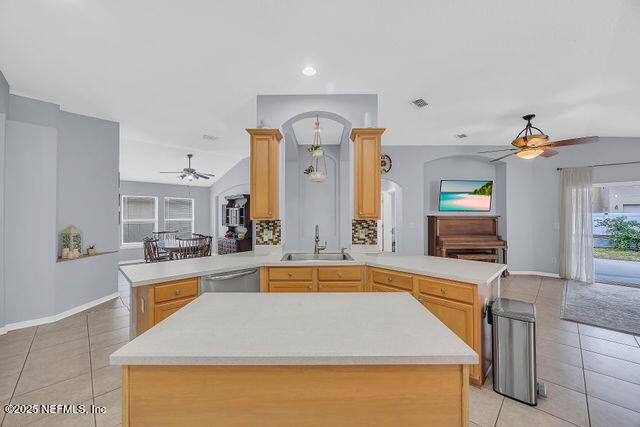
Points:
[[367, 173], [264, 173], [164, 310], [376, 287], [456, 315]]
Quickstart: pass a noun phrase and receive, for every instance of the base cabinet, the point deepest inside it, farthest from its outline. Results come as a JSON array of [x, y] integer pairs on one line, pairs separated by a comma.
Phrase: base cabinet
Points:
[[153, 303], [458, 305]]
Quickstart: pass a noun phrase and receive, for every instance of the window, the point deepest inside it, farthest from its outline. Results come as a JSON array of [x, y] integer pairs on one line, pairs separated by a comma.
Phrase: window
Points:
[[139, 219], [178, 215]]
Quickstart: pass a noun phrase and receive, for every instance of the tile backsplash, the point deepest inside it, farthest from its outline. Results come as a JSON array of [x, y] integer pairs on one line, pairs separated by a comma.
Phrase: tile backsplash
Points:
[[271, 227], [368, 227]]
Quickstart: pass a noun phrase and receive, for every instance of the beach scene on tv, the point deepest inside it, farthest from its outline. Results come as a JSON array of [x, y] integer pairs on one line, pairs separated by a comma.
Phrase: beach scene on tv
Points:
[[461, 195]]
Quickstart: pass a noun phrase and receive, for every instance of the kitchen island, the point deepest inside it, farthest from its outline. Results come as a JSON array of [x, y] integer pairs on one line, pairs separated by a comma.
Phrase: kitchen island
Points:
[[297, 359]]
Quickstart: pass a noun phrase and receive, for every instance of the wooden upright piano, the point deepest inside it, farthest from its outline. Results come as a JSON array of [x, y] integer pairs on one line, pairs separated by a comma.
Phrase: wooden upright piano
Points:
[[466, 237]]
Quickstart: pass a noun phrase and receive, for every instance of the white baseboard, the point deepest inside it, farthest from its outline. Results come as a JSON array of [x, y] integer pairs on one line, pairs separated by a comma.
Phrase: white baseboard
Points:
[[535, 273], [56, 317]]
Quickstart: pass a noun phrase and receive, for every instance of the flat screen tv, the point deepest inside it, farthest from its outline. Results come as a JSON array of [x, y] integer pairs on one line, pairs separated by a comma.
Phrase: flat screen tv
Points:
[[465, 195]]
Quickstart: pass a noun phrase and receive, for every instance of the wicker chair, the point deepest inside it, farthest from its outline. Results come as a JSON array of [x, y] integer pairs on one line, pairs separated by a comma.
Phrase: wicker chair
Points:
[[193, 247], [150, 246], [208, 240]]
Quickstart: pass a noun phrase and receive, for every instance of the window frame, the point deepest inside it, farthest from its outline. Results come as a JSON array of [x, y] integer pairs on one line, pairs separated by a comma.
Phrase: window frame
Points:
[[193, 212], [124, 221]]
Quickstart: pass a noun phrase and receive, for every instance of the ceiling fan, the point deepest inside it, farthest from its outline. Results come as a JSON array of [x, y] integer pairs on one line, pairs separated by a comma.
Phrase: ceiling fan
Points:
[[530, 144], [191, 173]]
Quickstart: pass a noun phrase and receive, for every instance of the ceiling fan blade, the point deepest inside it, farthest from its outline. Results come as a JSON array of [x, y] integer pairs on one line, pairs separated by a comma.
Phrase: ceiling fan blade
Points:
[[574, 141], [497, 151], [548, 152], [208, 174], [503, 157], [169, 172], [199, 175]]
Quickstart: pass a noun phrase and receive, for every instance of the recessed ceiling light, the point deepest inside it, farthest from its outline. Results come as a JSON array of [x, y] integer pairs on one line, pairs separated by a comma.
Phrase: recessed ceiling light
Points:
[[420, 103], [309, 71]]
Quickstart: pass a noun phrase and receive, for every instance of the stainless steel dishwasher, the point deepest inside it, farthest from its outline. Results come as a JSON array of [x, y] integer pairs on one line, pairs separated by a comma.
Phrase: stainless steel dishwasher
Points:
[[247, 280]]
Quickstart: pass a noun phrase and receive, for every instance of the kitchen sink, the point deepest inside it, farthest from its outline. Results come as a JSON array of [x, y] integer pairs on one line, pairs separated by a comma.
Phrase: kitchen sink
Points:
[[320, 257]]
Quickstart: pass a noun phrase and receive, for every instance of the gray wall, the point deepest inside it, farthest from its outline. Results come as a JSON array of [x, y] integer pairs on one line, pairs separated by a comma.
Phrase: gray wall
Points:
[[72, 178], [87, 198], [30, 233], [202, 201], [4, 107]]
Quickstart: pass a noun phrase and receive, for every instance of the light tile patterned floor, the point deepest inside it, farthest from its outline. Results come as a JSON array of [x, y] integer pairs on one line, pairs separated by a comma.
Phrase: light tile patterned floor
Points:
[[592, 374]]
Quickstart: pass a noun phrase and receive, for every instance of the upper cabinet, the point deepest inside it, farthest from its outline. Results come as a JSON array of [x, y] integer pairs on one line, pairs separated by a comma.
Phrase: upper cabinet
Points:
[[264, 173], [367, 142]]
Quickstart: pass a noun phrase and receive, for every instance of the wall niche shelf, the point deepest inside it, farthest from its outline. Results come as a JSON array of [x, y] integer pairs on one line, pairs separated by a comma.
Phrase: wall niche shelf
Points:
[[83, 256]]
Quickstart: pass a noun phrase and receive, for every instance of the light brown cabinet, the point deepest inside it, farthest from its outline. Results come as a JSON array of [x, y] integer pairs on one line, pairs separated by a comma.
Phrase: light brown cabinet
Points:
[[312, 279], [264, 173], [153, 303], [367, 143], [458, 305]]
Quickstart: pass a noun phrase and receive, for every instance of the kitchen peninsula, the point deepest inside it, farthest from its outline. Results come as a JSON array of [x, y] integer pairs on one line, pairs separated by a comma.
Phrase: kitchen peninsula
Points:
[[297, 359], [455, 291]]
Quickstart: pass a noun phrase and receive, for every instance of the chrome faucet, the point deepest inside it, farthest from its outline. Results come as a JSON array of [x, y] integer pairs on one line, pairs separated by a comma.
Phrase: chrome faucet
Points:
[[317, 247]]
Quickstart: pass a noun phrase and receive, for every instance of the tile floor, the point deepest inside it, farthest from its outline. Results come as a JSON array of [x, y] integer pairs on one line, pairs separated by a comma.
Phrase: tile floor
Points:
[[592, 374]]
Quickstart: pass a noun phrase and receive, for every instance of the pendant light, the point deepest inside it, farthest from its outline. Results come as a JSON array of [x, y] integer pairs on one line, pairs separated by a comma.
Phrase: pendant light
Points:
[[317, 170]]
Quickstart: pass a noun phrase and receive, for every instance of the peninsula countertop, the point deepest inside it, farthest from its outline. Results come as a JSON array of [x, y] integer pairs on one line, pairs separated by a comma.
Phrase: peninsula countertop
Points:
[[298, 329], [474, 272]]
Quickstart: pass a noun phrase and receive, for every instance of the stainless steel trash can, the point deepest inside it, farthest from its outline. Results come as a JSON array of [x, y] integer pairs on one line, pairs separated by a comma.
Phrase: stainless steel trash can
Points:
[[514, 350]]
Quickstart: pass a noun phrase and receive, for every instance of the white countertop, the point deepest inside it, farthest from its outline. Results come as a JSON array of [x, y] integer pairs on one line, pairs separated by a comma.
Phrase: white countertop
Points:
[[475, 272], [298, 329]]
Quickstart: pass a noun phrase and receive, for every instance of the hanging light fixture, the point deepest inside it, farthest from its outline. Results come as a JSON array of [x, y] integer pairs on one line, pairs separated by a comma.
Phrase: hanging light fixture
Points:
[[530, 153], [528, 138], [317, 170]]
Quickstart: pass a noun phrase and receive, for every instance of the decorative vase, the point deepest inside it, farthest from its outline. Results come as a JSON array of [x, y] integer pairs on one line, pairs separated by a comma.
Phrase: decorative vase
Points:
[[71, 239]]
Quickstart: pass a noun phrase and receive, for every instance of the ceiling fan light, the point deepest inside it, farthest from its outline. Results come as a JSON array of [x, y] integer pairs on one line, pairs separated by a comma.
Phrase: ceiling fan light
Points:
[[529, 154], [530, 140]]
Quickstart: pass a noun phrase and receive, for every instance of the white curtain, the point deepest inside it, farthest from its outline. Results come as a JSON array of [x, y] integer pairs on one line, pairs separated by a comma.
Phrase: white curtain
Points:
[[576, 227]]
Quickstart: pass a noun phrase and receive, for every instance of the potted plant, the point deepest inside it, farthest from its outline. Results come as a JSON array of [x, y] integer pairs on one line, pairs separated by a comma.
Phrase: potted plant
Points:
[[308, 170], [316, 150], [91, 250]]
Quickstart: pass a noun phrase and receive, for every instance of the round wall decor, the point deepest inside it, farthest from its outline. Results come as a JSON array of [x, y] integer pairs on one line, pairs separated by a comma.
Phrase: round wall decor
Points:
[[385, 163]]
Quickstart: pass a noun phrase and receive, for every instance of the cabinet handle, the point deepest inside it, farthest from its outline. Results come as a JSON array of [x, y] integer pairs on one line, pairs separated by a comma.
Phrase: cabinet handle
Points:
[[177, 291], [443, 291], [339, 274], [390, 279], [290, 274], [309, 287]]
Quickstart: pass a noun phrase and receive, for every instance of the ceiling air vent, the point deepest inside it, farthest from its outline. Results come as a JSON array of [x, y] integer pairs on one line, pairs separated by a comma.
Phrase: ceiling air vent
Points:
[[419, 103], [461, 135], [209, 137]]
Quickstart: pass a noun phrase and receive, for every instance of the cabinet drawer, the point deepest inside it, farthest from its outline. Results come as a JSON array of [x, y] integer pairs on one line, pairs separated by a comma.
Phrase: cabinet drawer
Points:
[[398, 280], [176, 290], [332, 274], [291, 273], [164, 310], [291, 286], [376, 287], [444, 289], [340, 286]]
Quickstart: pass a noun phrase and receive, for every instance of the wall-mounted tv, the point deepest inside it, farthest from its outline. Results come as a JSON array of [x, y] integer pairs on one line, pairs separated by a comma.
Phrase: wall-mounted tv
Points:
[[465, 195]]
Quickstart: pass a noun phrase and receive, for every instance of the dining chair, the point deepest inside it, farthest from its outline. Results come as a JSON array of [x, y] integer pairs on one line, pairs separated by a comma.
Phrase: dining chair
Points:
[[192, 247], [150, 246], [207, 243]]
